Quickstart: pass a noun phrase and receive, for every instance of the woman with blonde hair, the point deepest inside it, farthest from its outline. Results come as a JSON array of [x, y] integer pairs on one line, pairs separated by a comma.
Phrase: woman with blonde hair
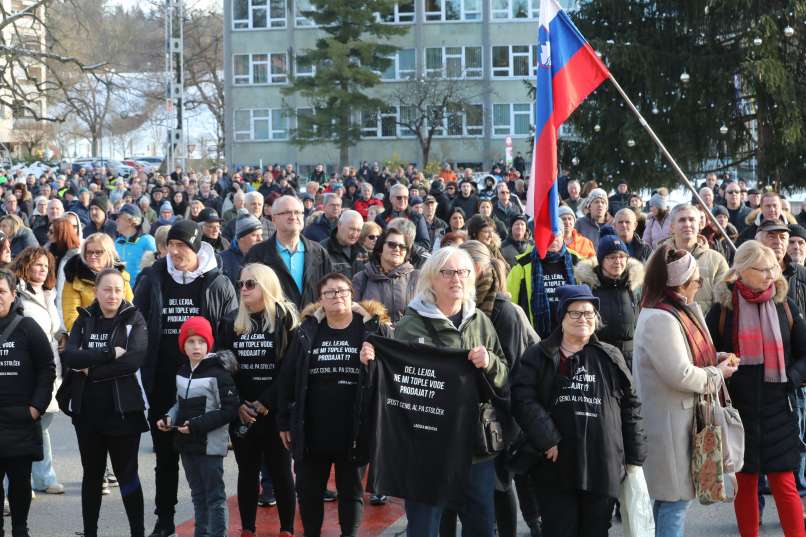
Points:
[[259, 336], [96, 254], [753, 318], [21, 237]]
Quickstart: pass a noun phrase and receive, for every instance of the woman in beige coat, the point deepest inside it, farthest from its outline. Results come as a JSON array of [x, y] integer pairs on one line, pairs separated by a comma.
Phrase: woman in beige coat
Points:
[[672, 359]]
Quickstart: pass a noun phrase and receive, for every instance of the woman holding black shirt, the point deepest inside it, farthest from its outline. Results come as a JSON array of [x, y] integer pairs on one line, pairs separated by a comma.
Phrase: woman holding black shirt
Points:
[[106, 349], [259, 337], [320, 401]]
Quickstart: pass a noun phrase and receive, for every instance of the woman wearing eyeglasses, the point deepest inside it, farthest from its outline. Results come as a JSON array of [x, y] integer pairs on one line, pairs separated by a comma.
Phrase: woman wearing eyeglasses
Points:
[[96, 254], [319, 401], [443, 313], [753, 318], [672, 359], [259, 336], [572, 396], [389, 277]]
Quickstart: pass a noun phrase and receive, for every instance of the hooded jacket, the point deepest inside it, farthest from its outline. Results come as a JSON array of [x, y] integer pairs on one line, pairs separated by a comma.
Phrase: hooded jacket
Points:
[[131, 250], [619, 302], [393, 289], [600, 465], [347, 260], [772, 438], [128, 332], [79, 288], [206, 398], [713, 269], [295, 371], [219, 300]]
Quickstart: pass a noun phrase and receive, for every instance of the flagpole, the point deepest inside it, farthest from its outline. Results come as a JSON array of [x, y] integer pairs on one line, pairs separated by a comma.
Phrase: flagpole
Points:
[[669, 157]]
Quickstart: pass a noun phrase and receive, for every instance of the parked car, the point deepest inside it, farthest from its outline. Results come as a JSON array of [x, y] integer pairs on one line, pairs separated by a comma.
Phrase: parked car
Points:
[[116, 167]]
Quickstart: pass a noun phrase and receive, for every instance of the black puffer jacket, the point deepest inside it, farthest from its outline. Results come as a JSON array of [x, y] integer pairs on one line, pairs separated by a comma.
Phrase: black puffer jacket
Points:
[[772, 440], [619, 302], [796, 278], [599, 465], [129, 332], [347, 260], [28, 372], [295, 371]]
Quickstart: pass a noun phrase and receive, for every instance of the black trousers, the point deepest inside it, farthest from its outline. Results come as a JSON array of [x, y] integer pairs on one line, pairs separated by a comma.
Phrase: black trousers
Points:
[[312, 474], [575, 514], [122, 451], [18, 472], [262, 443], [166, 471], [527, 499]]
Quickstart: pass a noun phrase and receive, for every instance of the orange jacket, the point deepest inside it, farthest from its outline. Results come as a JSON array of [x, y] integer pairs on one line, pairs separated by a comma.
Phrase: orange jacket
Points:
[[581, 245]]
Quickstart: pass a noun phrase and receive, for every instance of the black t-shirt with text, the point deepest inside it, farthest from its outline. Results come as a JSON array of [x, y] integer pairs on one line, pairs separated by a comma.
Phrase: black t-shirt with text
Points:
[[332, 386], [179, 302], [257, 363]]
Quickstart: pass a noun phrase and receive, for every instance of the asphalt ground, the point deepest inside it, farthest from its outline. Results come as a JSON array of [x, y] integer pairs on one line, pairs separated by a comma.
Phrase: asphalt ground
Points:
[[60, 516]]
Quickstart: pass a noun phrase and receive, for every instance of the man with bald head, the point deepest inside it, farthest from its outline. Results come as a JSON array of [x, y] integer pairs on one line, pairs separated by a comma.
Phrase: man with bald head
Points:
[[346, 255], [298, 262]]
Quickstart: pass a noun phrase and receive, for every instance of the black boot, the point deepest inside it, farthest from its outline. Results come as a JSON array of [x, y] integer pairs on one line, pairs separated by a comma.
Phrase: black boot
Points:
[[20, 532], [164, 529]]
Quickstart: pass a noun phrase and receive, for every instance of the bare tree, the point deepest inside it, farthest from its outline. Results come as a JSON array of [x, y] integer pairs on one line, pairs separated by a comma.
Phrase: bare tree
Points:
[[32, 134], [436, 105]]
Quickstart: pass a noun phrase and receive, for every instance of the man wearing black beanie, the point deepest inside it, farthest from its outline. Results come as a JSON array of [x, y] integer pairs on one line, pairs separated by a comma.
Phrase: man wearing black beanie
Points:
[[99, 220], [185, 283]]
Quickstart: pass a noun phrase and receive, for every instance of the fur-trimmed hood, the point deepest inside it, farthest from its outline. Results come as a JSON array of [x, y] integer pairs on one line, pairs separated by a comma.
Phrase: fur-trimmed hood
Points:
[[723, 293], [754, 217], [585, 273], [75, 267], [367, 309]]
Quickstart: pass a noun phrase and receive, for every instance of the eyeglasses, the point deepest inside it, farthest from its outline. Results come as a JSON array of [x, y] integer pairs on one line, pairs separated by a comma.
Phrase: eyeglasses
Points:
[[249, 284], [771, 271], [731, 192], [290, 213], [372, 237], [401, 198], [577, 314], [395, 245], [449, 273], [698, 281], [93, 253], [336, 293]]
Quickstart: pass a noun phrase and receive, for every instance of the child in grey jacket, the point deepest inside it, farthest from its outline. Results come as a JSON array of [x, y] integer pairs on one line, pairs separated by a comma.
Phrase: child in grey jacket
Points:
[[206, 402]]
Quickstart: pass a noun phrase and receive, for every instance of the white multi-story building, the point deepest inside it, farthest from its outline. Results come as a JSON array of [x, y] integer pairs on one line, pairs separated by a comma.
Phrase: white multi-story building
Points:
[[487, 43]]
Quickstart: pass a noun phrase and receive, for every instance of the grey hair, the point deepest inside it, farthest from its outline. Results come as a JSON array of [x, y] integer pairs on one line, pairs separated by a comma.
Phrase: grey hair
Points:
[[55, 201], [398, 188], [253, 195], [144, 199], [706, 188], [349, 214], [625, 210], [328, 197], [430, 271], [680, 207], [405, 227]]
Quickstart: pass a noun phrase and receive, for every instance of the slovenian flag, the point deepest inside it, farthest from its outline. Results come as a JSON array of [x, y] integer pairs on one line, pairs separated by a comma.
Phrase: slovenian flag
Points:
[[568, 70]]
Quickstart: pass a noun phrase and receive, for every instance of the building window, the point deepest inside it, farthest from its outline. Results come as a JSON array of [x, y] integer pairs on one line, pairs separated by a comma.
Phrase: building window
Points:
[[457, 120], [300, 20], [453, 62], [304, 68], [515, 9], [258, 14], [512, 119], [516, 61], [260, 125], [379, 124], [403, 12], [452, 10], [403, 66], [260, 69]]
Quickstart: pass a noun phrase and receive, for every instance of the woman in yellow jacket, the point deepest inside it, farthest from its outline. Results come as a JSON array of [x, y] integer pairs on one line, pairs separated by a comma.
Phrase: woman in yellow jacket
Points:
[[97, 253]]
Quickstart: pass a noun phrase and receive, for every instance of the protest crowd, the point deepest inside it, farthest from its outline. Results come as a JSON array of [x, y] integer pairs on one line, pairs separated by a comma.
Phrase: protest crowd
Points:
[[402, 332]]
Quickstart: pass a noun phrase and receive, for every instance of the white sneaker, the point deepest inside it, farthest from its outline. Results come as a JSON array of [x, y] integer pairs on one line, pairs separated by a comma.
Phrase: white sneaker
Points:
[[33, 494], [105, 490], [56, 488], [6, 507]]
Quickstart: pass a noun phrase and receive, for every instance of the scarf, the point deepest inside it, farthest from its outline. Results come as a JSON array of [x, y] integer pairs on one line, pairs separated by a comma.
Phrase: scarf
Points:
[[698, 338], [486, 290], [756, 331], [541, 313]]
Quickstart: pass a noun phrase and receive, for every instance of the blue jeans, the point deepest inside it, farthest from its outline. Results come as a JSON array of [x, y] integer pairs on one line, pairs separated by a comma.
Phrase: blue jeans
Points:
[[670, 518], [477, 513], [205, 475], [42, 473]]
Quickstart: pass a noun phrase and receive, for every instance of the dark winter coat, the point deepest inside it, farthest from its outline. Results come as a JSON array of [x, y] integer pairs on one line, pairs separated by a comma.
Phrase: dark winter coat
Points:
[[511, 249], [232, 263], [22, 240], [796, 278], [294, 373], [128, 332], [317, 265], [534, 387], [772, 440], [421, 234], [619, 302], [639, 249], [29, 383], [219, 300], [319, 229], [470, 204], [347, 260], [107, 227]]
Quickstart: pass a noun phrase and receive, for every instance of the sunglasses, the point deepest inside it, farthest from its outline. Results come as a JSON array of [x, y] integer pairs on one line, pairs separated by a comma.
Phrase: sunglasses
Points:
[[372, 237], [395, 245], [249, 284]]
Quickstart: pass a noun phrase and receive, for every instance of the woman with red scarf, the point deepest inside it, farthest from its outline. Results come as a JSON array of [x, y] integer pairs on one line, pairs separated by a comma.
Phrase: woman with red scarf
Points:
[[753, 318], [673, 357]]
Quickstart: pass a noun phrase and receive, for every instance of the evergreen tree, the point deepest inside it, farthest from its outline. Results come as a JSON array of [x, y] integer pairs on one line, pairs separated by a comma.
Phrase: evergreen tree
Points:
[[722, 82], [347, 64]]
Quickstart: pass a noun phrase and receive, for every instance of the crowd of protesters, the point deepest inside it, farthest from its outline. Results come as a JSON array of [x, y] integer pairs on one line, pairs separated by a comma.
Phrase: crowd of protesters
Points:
[[199, 306]]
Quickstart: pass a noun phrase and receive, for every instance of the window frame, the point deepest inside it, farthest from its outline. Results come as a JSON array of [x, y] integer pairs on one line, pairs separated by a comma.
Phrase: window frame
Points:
[[400, 17], [272, 78], [248, 24], [441, 16], [512, 115], [398, 73], [504, 14], [264, 119], [443, 70], [511, 56]]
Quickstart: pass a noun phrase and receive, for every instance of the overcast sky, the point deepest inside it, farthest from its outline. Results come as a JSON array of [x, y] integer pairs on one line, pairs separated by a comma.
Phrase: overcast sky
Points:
[[206, 4]]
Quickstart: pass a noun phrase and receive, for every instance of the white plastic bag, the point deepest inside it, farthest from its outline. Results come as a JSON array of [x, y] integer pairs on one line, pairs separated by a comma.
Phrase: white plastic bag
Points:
[[636, 507]]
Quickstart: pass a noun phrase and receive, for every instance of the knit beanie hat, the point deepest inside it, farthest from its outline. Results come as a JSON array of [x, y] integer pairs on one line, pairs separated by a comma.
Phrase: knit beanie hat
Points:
[[186, 231], [609, 242], [245, 225], [564, 210], [100, 201], [657, 201], [166, 207], [196, 326]]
